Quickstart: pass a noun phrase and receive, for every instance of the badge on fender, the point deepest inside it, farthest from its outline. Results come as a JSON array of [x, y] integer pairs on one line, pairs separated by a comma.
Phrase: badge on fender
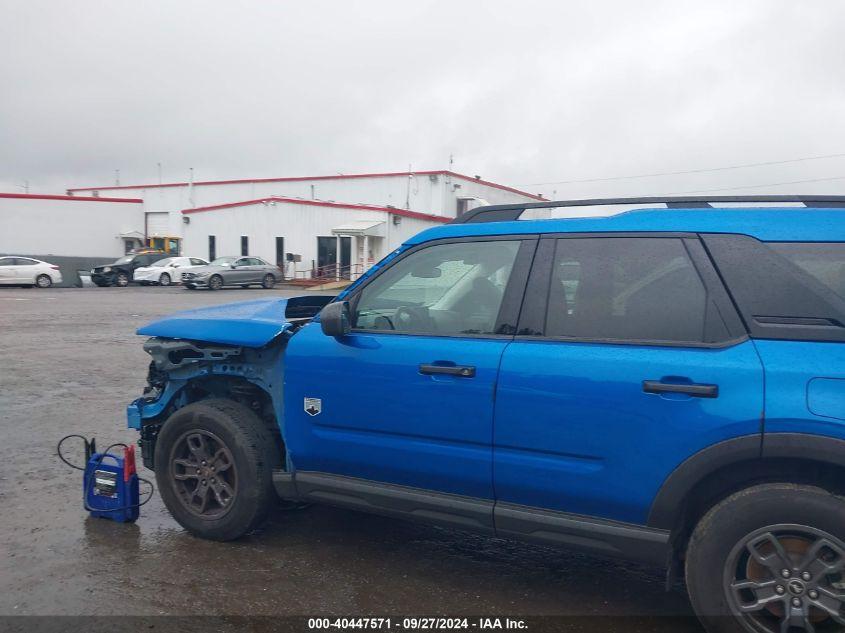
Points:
[[313, 406]]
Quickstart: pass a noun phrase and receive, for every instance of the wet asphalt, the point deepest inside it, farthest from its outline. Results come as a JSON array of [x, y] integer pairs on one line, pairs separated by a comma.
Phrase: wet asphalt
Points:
[[70, 362]]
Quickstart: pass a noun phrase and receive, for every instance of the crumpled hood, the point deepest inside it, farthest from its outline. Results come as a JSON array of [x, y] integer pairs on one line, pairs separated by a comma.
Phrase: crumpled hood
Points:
[[247, 323]]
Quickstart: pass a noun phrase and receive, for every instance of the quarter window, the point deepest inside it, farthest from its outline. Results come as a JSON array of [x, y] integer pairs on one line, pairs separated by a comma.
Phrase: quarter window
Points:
[[823, 261], [447, 289], [640, 289]]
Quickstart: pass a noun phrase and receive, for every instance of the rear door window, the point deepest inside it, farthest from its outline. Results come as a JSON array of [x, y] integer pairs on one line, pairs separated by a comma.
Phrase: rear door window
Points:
[[630, 289]]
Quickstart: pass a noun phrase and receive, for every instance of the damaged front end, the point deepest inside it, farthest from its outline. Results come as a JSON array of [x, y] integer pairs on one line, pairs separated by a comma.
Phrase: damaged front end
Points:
[[232, 351]]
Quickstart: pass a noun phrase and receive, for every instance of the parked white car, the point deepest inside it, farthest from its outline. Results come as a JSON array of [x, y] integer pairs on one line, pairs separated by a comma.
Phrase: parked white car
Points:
[[166, 271], [25, 271]]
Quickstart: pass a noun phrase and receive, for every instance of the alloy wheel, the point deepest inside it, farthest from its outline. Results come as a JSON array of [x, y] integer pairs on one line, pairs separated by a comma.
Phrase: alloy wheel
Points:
[[785, 578], [203, 474]]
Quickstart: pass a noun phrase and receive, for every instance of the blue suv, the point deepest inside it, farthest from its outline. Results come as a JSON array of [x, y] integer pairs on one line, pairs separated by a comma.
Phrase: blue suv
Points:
[[665, 385]]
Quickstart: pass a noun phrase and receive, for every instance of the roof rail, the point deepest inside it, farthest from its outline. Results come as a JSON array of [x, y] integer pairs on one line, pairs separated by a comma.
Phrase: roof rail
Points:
[[509, 212]]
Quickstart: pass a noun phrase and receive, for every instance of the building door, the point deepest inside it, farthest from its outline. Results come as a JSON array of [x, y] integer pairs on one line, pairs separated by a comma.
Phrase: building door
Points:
[[212, 248], [326, 255], [345, 256], [280, 252]]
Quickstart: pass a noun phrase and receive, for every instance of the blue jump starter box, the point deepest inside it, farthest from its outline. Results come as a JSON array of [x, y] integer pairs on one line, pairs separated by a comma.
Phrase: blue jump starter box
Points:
[[110, 486]]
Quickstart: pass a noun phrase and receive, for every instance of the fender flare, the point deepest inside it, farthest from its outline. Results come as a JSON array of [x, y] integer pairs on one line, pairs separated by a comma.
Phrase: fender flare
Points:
[[669, 502]]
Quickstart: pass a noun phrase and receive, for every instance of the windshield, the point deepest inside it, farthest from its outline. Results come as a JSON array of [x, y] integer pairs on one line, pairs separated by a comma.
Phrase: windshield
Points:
[[125, 259], [223, 261], [163, 262]]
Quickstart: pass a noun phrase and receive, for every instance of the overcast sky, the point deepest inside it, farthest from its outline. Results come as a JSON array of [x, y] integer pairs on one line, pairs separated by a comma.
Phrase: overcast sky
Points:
[[519, 92]]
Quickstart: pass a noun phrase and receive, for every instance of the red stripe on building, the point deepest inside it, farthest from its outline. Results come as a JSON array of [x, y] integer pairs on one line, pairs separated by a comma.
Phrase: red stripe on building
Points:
[[321, 203], [245, 181], [44, 196]]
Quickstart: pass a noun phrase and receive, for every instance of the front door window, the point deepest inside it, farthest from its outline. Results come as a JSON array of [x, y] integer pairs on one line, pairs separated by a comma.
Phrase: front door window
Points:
[[448, 289]]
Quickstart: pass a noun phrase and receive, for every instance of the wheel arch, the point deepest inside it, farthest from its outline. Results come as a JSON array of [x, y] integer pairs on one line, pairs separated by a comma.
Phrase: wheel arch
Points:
[[220, 387], [719, 470]]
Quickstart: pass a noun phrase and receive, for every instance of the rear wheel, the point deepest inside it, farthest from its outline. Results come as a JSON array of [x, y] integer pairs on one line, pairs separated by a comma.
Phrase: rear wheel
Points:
[[268, 282], [213, 466], [164, 280], [770, 559], [121, 280], [43, 281], [215, 283]]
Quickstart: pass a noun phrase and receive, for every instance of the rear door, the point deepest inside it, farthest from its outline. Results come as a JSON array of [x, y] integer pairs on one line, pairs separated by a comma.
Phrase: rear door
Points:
[[240, 274], [26, 270], [630, 359]]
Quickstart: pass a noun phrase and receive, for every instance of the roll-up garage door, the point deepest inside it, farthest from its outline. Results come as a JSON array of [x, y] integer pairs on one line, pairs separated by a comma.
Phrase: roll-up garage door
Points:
[[158, 223]]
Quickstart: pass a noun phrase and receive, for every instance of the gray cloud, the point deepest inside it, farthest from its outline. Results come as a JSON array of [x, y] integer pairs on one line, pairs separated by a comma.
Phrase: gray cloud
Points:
[[519, 92]]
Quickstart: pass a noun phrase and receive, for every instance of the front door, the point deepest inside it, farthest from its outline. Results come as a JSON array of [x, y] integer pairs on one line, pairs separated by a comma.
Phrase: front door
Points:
[[633, 359], [407, 397]]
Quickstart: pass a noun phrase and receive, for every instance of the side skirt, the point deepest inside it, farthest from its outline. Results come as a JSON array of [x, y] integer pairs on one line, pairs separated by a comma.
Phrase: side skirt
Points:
[[549, 527]]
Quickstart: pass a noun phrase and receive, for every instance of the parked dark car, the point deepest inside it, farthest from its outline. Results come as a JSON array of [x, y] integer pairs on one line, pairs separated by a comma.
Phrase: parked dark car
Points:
[[121, 272]]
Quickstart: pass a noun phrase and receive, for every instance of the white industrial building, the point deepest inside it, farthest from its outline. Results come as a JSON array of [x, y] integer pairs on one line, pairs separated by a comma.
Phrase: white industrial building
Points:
[[306, 213], [311, 226], [307, 238], [73, 232]]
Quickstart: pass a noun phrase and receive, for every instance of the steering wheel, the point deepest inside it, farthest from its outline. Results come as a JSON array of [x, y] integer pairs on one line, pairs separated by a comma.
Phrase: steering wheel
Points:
[[407, 318]]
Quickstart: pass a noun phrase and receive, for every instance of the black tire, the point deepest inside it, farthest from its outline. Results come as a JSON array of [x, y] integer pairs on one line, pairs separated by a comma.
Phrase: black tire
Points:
[[253, 456], [778, 522], [164, 280], [121, 280], [43, 281], [268, 282], [215, 283]]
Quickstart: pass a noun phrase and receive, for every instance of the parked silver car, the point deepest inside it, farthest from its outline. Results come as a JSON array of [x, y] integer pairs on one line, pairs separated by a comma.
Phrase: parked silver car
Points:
[[232, 271]]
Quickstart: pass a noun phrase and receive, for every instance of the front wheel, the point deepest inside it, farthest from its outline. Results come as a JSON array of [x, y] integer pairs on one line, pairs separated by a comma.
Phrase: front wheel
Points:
[[164, 280], [122, 280], [268, 282], [768, 559], [43, 281], [213, 466], [215, 283]]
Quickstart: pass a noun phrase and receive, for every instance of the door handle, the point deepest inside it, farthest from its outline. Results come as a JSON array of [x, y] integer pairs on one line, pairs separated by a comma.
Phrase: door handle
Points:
[[696, 390], [462, 371]]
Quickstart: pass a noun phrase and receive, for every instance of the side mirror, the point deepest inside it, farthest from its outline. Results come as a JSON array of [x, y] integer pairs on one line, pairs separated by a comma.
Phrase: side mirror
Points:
[[334, 319], [233, 265]]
